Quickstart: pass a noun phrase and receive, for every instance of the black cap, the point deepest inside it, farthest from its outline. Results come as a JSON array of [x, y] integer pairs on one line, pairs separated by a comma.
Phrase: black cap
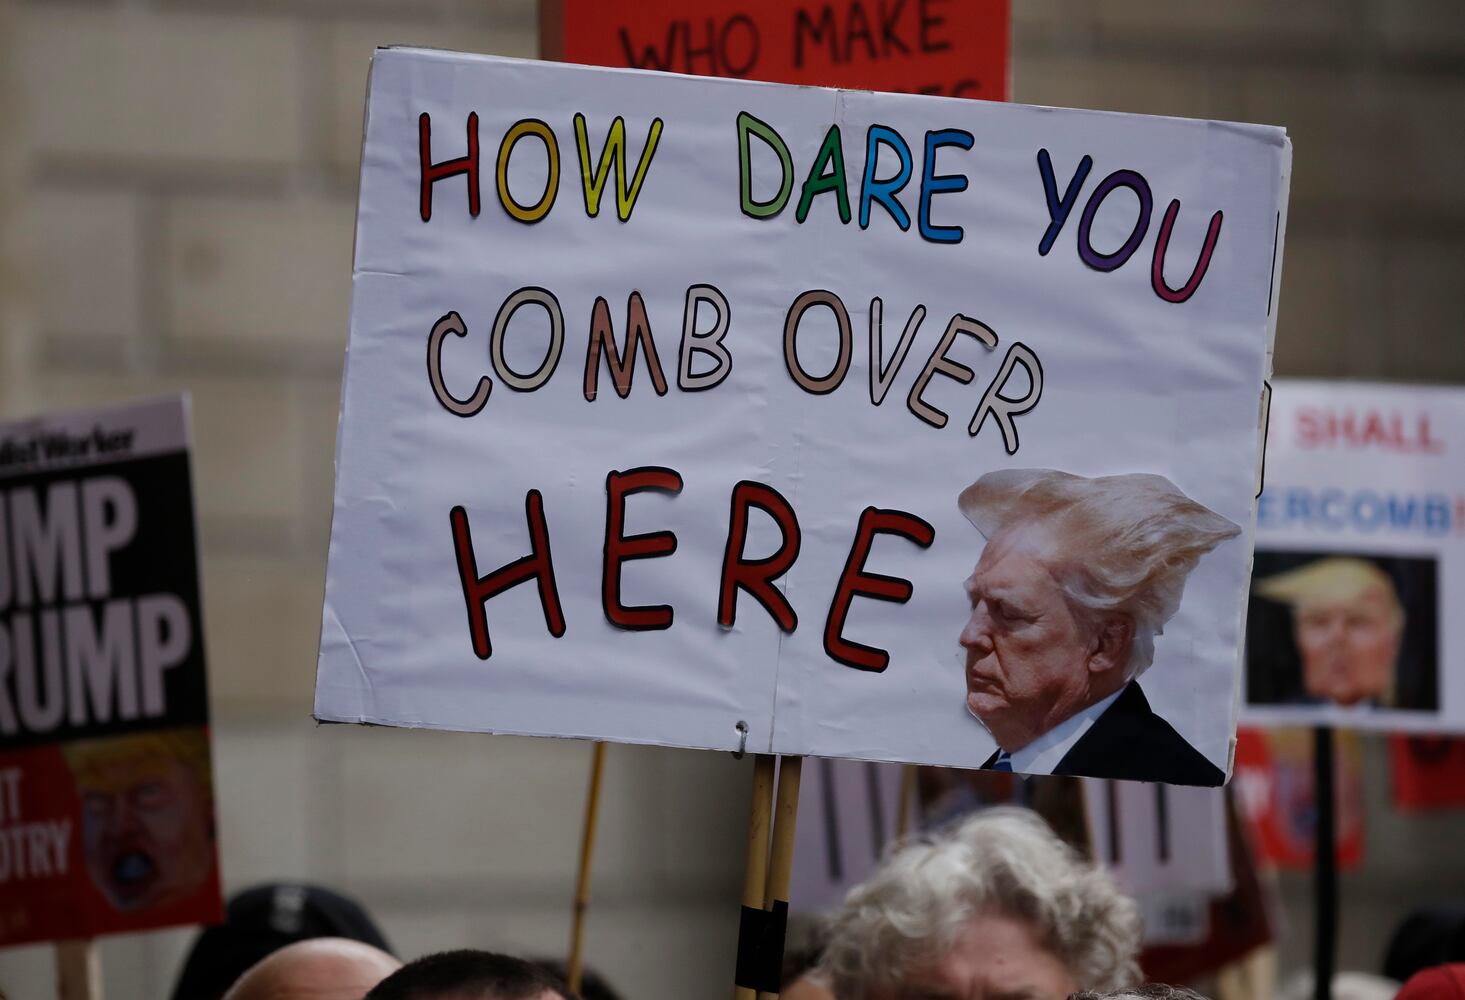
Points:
[[1431, 935], [261, 920]]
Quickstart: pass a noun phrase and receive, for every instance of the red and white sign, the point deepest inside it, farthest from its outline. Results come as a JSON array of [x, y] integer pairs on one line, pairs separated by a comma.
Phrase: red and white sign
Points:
[[1360, 554], [106, 787], [1276, 787], [952, 48]]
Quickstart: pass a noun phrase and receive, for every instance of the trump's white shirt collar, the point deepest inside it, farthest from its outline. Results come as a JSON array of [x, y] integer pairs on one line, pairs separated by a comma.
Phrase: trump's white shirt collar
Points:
[[1043, 754]]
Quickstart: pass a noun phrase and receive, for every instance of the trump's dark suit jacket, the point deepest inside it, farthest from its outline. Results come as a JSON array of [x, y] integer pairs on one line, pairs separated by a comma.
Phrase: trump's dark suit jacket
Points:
[[1130, 741]]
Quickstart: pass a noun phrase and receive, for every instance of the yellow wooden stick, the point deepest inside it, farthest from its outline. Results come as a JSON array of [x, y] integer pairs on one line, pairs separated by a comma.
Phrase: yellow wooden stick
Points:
[[785, 823], [755, 874], [582, 881], [908, 804], [78, 971]]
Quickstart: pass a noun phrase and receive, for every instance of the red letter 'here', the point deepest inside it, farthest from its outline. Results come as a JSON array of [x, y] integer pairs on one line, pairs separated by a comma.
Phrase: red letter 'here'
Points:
[[855, 582], [536, 565], [756, 576], [620, 548]]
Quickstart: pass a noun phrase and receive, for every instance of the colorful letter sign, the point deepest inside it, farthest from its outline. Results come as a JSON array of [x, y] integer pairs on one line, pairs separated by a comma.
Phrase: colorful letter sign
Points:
[[696, 412]]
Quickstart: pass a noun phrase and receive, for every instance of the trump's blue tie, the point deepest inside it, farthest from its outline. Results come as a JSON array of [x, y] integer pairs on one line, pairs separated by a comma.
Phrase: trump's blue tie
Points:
[[1002, 763]]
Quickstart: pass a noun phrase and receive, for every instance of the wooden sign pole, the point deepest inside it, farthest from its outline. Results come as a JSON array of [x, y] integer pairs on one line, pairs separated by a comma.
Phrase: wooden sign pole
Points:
[[785, 822], [785, 819], [78, 971], [906, 810], [582, 880], [755, 874], [766, 879]]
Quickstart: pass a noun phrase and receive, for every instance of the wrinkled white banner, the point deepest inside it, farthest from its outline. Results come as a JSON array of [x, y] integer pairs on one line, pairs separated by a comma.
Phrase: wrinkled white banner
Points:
[[662, 391]]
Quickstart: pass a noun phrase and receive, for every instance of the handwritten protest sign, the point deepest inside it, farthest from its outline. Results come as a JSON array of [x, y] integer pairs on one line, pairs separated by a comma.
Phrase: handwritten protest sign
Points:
[[106, 793], [721, 414], [1360, 549], [913, 46]]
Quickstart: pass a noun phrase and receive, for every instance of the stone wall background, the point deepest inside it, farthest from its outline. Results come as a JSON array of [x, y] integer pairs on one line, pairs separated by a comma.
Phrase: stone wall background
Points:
[[176, 201]]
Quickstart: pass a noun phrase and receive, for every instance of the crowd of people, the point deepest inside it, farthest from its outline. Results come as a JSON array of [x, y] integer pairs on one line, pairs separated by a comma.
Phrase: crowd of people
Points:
[[994, 907]]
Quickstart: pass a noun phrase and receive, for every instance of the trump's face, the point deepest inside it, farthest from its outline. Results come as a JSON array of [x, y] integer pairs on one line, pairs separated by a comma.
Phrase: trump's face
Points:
[[1028, 650], [1349, 648], [146, 830]]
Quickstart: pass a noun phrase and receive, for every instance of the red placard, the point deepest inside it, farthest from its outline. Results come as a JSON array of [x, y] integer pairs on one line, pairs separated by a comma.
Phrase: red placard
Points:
[[106, 776], [1277, 793], [1429, 772], [956, 48], [106, 836]]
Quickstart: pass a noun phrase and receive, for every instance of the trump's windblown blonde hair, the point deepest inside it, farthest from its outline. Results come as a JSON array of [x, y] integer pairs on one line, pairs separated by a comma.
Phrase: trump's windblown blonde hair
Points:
[[1004, 862], [1117, 543]]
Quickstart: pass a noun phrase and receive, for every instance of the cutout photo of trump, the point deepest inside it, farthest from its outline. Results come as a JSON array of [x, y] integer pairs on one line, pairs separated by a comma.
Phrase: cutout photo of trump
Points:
[[1076, 579], [1341, 629]]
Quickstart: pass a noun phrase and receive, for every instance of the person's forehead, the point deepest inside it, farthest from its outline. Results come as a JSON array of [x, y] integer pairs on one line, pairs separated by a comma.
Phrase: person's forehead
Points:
[[1004, 956], [1373, 598]]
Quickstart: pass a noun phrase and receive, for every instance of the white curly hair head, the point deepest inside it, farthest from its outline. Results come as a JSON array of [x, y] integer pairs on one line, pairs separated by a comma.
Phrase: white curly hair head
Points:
[[1002, 861]]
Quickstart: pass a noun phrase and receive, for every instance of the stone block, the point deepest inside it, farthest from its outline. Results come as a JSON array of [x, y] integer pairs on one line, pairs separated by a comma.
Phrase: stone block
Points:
[[85, 258], [320, 407], [1433, 26], [1423, 301], [1334, 135], [1199, 90], [137, 86], [1205, 25], [424, 807], [1414, 148], [245, 435], [420, 927], [702, 818], [348, 55], [261, 278], [262, 617], [263, 797], [1327, 292]]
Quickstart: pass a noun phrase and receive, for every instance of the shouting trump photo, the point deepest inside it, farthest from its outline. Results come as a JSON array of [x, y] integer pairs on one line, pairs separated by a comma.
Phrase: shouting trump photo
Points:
[[1076, 579]]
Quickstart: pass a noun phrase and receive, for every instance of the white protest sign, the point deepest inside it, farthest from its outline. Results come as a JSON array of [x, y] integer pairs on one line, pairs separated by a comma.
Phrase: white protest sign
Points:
[[106, 786], [1360, 550], [1158, 840], [662, 392]]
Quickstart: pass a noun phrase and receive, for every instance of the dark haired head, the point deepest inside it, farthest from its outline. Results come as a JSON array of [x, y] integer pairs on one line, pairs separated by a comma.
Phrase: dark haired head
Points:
[[260, 921], [592, 985], [470, 975]]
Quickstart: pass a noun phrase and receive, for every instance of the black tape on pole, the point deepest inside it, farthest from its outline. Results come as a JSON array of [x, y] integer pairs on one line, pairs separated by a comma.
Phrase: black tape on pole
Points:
[[1325, 933], [760, 948]]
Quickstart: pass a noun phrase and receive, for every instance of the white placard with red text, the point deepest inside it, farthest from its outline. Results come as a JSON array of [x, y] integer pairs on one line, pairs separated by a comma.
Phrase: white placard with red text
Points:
[[1040, 288], [1360, 560]]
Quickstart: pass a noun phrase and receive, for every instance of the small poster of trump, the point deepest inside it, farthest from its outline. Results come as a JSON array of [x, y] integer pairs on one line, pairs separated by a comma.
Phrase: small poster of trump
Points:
[[1360, 549], [106, 785], [737, 416]]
